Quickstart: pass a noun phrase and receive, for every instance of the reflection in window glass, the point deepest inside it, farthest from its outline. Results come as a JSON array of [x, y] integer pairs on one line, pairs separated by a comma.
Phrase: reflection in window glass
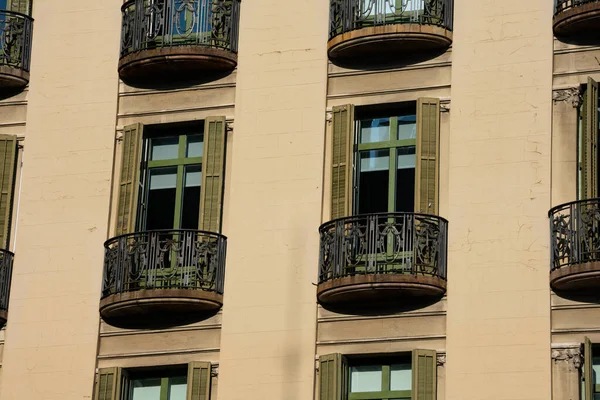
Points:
[[161, 198], [191, 197], [165, 148], [400, 377], [373, 181], [146, 389], [177, 388], [407, 127], [195, 146], [365, 378], [405, 179], [375, 130]]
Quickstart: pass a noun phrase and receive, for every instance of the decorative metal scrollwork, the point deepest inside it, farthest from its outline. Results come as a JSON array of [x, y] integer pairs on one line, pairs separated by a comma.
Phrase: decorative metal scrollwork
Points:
[[153, 24], [575, 233], [564, 5], [15, 39], [6, 264], [347, 15], [386, 243], [166, 259]]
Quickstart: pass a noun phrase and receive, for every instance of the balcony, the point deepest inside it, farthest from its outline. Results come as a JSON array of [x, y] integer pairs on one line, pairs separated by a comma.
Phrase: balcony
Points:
[[382, 258], [174, 40], [15, 50], [388, 29], [577, 17], [575, 246], [6, 263], [162, 278]]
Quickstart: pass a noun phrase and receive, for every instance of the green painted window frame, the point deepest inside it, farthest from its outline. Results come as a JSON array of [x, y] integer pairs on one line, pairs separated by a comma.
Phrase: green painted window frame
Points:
[[392, 145], [385, 393], [181, 162]]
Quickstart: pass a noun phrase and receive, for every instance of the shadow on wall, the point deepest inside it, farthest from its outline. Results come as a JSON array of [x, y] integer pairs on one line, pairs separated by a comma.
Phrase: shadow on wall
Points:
[[582, 297], [384, 59], [174, 81]]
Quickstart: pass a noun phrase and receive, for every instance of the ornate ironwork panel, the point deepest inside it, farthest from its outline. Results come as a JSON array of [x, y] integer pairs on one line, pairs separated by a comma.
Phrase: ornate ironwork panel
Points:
[[6, 264], [166, 259], [575, 233], [564, 5], [153, 24], [15, 39], [347, 15], [386, 243]]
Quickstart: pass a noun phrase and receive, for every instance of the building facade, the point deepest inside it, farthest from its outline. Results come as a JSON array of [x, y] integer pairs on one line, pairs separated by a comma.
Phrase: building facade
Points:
[[326, 199]]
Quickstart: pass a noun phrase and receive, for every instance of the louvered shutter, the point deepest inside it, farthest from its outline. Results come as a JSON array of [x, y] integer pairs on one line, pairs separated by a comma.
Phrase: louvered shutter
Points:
[[341, 161], [333, 377], [589, 141], [8, 158], [424, 374], [129, 180], [213, 174], [427, 156], [22, 6], [588, 371], [198, 381], [109, 384]]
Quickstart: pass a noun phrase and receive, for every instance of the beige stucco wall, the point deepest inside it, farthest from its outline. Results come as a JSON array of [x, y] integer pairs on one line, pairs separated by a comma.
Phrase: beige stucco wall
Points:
[[51, 339], [498, 344]]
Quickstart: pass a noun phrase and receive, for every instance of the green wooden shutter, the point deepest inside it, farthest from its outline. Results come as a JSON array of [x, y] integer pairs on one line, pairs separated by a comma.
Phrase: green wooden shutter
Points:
[[129, 180], [8, 158], [333, 377], [341, 161], [198, 381], [213, 174], [22, 6], [427, 156], [589, 141], [588, 372], [108, 384], [424, 375]]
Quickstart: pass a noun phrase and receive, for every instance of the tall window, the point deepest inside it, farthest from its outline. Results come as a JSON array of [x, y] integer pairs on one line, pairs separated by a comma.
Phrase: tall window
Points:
[[385, 158], [589, 130], [173, 176], [157, 386], [381, 381]]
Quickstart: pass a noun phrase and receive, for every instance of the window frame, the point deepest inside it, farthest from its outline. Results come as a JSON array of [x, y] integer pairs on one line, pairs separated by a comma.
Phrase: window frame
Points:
[[392, 145], [164, 385], [385, 393]]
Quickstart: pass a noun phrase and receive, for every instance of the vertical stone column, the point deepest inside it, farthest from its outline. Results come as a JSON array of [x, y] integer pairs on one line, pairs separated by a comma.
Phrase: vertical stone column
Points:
[[498, 326], [273, 202], [566, 368], [52, 331]]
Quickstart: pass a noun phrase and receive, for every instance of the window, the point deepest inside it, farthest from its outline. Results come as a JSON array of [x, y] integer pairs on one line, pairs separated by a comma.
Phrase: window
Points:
[[8, 168], [172, 177], [589, 120], [181, 382], [385, 159], [397, 377]]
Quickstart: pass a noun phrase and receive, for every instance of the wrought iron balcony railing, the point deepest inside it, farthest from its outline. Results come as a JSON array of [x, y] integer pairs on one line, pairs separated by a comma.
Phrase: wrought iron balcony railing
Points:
[[564, 5], [386, 243], [575, 233], [348, 15], [155, 24], [166, 259], [15, 39], [6, 263]]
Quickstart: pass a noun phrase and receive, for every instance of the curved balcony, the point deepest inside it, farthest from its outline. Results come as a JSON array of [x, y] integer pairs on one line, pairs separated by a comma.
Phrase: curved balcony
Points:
[[388, 29], [166, 40], [575, 246], [577, 17], [160, 278], [15, 50], [6, 263], [382, 258]]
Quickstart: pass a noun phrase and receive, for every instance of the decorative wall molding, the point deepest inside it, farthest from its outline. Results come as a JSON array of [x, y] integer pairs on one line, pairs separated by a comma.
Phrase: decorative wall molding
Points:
[[445, 107], [568, 353], [571, 95], [214, 371], [441, 359]]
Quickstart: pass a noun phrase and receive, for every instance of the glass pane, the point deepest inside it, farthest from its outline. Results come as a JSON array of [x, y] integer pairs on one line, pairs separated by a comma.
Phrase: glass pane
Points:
[[366, 378], [191, 197], [195, 146], [373, 181], [400, 377], [405, 179], [146, 389], [596, 369], [165, 148], [160, 207], [177, 388], [375, 130], [407, 127]]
